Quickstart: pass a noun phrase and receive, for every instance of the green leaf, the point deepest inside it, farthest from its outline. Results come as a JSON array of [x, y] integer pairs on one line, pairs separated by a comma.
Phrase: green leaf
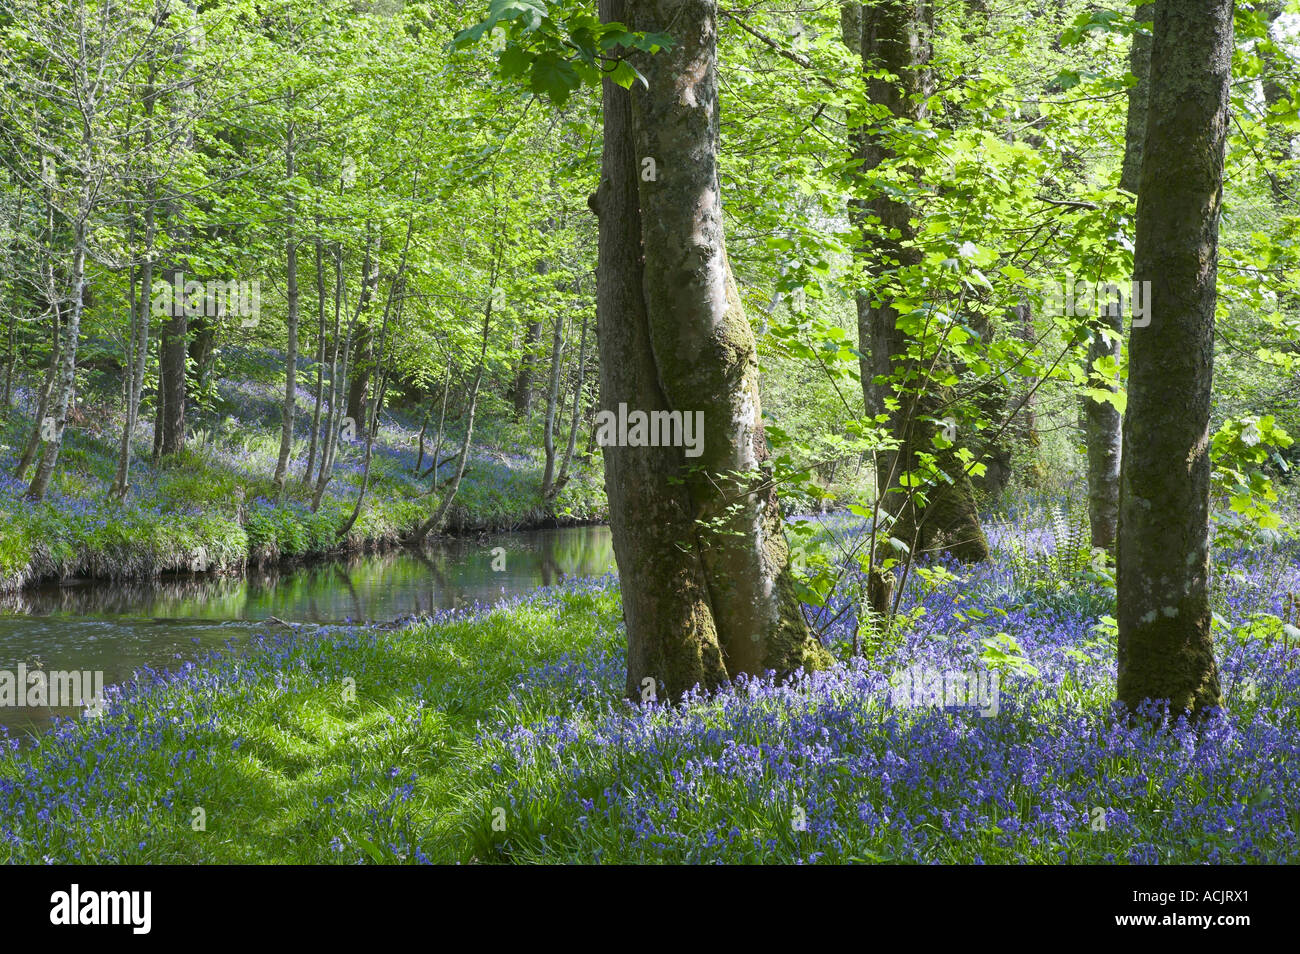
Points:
[[625, 74], [554, 76]]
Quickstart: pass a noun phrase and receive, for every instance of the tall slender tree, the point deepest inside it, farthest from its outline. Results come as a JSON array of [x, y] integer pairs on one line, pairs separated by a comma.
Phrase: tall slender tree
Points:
[[892, 40], [1165, 646], [1102, 420]]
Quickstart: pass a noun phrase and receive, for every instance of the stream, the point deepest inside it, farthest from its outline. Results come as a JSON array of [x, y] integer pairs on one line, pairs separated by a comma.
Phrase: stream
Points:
[[117, 628]]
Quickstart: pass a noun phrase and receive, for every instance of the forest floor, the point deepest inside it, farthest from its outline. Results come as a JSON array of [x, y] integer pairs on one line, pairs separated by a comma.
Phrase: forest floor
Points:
[[500, 735], [214, 506]]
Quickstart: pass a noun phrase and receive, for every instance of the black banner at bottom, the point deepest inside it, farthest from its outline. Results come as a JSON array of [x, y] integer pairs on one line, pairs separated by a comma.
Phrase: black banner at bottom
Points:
[[139, 905]]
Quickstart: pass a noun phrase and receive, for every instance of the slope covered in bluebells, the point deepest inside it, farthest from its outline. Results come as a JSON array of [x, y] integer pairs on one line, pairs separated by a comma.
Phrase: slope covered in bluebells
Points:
[[501, 735], [216, 507]]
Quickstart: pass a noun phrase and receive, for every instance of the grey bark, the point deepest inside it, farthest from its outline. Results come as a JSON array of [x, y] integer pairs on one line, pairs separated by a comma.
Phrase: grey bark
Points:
[[552, 402], [291, 319], [1165, 646]]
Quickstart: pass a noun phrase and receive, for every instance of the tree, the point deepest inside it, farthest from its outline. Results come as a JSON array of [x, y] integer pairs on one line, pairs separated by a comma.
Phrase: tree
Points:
[[892, 41], [82, 91], [704, 566], [1103, 422], [1165, 646]]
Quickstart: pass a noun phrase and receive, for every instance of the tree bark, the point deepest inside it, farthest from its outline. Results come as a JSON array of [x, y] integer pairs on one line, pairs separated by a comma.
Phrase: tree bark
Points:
[[291, 319], [1165, 645], [1136, 123], [171, 373], [342, 348], [47, 391], [67, 379], [142, 308], [552, 402], [575, 419], [35, 441], [363, 350], [319, 387], [703, 562], [523, 386], [1103, 424]]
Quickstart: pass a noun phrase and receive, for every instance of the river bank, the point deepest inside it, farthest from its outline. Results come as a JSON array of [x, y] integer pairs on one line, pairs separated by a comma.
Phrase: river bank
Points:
[[214, 509], [117, 629]]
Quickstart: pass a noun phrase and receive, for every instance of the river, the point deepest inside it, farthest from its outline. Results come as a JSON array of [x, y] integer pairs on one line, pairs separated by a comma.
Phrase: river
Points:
[[117, 628]]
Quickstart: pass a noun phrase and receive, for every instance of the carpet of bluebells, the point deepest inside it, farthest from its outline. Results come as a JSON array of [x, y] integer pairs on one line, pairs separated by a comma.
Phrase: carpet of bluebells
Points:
[[500, 734], [830, 769]]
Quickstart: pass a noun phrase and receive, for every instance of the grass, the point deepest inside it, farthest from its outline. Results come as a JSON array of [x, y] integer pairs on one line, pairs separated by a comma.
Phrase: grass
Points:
[[285, 762]]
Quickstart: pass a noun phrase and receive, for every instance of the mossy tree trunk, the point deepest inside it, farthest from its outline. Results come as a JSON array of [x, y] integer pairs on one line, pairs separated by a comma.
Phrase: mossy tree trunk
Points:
[[703, 561], [1165, 647]]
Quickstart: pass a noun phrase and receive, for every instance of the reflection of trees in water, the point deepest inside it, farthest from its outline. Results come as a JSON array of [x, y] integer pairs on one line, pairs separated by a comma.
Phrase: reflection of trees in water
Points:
[[552, 572], [437, 583], [165, 597], [346, 577]]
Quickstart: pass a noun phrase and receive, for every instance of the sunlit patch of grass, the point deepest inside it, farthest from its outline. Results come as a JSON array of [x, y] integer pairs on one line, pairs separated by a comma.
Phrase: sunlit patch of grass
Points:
[[347, 744]]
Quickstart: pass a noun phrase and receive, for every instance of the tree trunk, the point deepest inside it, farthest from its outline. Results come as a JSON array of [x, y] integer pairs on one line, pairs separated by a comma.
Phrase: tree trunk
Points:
[[67, 380], [703, 562], [141, 313], [291, 319], [141, 309], [442, 422], [894, 36], [341, 348], [552, 401], [12, 356], [43, 402], [318, 389], [363, 350], [523, 387], [202, 347], [171, 372], [1165, 646], [1102, 421], [1102, 424], [36, 439], [1136, 123], [423, 530], [575, 419], [363, 358]]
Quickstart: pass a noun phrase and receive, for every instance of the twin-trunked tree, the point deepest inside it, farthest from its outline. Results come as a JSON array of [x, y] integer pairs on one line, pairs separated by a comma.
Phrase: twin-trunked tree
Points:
[[704, 566]]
